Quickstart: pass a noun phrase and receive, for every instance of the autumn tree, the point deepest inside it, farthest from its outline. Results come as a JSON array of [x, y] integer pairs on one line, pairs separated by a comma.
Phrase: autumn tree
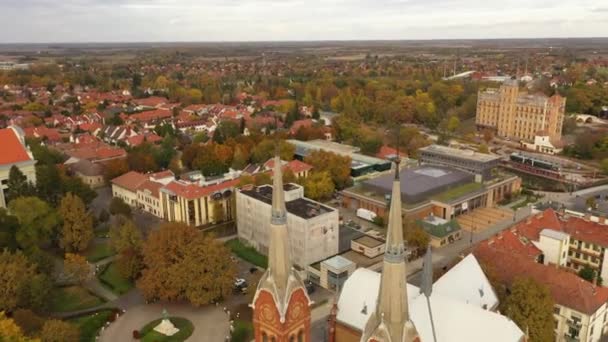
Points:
[[483, 148], [415, 236], [180, 263], [530, 306], [239, 160], [77, 230], [125, 235], [130, 263], [246, 180], [337, 166], [29, 321], [16, 272], [319, 186], [76, 267], [115, 168], [604, 166], [266, 150], [37, 221], [218, 212], [263, 178], [10, 331], [18, 185], [55, 330]]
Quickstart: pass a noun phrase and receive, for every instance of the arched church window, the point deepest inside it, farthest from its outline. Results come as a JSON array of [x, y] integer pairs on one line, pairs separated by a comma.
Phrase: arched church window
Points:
[[264, 337], [300, 336]]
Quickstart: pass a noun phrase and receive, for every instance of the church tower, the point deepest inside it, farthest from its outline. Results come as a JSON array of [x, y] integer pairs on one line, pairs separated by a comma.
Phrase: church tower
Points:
[[391, 322], [281, 306]]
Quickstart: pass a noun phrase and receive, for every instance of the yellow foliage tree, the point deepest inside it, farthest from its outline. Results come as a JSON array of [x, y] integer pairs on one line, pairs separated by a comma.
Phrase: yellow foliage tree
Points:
[[77, 230], [76, 267]]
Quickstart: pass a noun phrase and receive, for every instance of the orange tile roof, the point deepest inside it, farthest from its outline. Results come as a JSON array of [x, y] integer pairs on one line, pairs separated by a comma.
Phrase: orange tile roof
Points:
[[151, 115], [12, 149], [130, 180], [151, 186], [386, 151], [296, 166], [194, 191], [137, 140], [587, 231], [566, 288], [508, 240]]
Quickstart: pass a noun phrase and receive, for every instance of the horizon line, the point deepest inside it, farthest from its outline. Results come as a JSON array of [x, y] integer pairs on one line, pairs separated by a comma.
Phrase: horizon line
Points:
[[297, 40]]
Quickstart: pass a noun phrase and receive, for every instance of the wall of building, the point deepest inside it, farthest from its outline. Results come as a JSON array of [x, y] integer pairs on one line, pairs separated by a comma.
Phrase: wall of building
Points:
[[555, 251], [346, 334], [92, 181], [367, 251], [128, 196], [150, 203], [310, 240], [195, 212], [590, 329]]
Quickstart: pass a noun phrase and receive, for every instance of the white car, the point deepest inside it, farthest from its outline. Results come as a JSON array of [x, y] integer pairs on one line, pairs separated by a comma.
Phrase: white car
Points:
[[240, 282]]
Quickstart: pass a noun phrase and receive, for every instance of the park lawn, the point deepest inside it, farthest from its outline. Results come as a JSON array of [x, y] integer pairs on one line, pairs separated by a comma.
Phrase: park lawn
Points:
[[185, 327], [99, 251], [247, 253], [112, 279], [243, 331], [90, 324], [73, 298]]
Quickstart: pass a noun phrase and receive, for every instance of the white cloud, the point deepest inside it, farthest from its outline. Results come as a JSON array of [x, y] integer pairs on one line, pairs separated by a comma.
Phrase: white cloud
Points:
[[238, 20]]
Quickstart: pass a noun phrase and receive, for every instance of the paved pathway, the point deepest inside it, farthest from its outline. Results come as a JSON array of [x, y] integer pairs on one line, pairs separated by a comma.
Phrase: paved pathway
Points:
[[210, 322]]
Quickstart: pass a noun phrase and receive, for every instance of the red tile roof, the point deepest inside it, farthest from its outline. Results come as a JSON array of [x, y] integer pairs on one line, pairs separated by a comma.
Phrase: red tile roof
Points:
[[299, 124], [12, 149], [162, 174], [587, 231], [153, 101], [387, 152], [194, 191], [509, 240], [566, 288], [295, 166], [137, 140], [131, 180], [151, 186], [151, 115]]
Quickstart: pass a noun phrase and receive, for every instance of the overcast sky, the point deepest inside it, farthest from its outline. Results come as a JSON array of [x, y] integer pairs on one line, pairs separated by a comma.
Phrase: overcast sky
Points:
[[253, 20]]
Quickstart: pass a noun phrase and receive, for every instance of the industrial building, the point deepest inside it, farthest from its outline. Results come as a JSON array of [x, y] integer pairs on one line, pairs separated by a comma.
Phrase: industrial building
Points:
[[470, 161]]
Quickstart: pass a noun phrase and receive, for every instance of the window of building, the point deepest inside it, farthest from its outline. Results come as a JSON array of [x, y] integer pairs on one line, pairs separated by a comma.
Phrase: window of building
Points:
[[556, 310], [300, 336]]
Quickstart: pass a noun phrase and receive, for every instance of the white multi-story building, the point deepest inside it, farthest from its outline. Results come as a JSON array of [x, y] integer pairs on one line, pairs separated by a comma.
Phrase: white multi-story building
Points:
[[313, 227]]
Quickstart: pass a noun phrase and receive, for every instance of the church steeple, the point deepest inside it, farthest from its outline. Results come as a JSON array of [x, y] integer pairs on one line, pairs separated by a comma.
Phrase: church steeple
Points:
[[279, 261], [391, 321], [281, 306]]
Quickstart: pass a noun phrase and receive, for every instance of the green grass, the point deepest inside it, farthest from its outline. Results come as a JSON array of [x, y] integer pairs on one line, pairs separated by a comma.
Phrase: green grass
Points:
[[72, 298], [90, 324], [458, 191], [185, 327], [112, 279], [99, 251], [247, 253], [529, 199], [243, 331]]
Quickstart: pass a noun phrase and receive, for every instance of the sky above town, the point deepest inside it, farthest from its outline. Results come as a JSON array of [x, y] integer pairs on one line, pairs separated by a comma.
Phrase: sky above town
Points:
[[279, 20]]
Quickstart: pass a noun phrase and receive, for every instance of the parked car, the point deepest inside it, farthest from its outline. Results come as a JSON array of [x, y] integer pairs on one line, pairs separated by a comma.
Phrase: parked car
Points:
[[240, 283]]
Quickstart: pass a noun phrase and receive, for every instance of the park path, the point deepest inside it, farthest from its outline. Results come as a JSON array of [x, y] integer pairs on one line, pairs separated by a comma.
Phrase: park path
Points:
[[210, 322]]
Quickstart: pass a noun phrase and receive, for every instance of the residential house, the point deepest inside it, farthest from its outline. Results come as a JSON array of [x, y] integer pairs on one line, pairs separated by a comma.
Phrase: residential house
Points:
[[14, 153]]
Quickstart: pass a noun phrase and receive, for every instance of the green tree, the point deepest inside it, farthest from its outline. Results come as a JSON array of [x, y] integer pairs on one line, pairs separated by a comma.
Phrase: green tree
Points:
[[238, 161], [18, 185], [263, 178], [48, 183], [119, 207], [77, 230], [125, 235], [530, 306], [587, 273], [319, 186], [9, 225], [180, 263], [266, 150], [59, 331], [37, 221], [336, 165], [604, 166]]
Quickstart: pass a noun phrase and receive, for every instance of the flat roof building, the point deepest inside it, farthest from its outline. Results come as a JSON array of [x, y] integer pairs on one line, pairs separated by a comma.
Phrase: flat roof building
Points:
[[360, 164], [470, 161], [313, 227]]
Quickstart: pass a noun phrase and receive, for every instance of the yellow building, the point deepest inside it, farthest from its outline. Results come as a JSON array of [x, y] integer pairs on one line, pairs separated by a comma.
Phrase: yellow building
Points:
[[197, 205], [517, 115]]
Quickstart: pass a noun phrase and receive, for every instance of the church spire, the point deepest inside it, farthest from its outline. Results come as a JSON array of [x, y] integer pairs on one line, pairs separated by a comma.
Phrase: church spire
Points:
[[279, 262], [392, 314]]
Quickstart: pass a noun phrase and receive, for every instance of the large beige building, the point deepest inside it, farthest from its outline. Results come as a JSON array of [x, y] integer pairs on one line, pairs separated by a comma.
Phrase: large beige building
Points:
[[517, 115], [13, 152]]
